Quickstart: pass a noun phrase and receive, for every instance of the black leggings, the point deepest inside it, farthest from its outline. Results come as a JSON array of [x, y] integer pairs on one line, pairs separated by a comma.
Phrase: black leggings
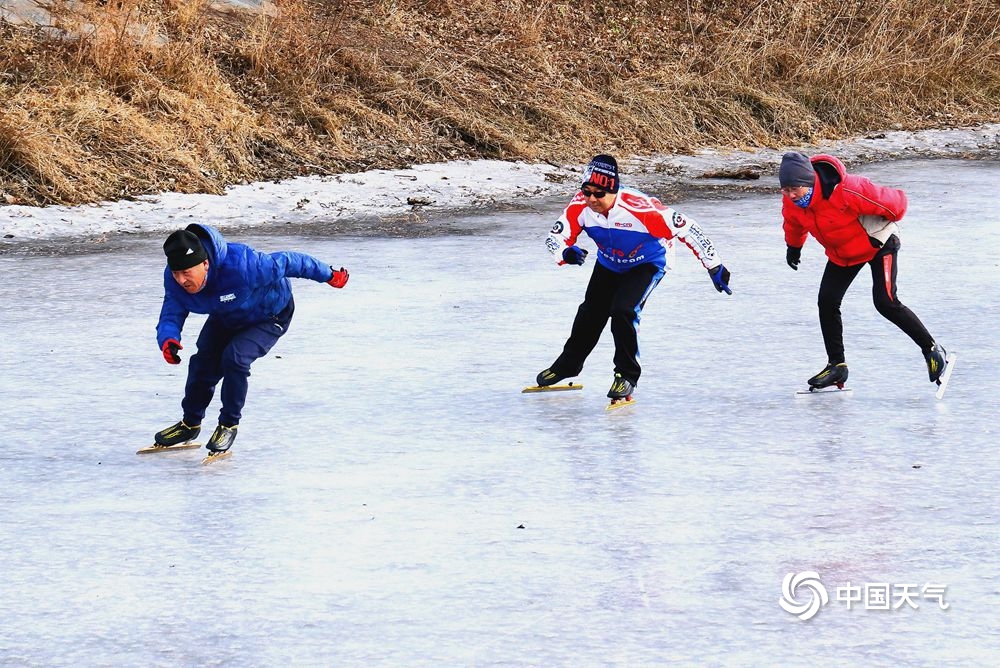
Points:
[[619, 297], [833, 287]]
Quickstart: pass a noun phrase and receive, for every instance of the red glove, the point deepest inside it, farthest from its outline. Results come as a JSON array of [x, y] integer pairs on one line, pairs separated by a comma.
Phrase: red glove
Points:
[[339, 278], [170, 348]]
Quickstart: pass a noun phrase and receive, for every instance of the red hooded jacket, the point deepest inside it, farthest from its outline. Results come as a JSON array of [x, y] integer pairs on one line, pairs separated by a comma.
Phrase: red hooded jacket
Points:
[[838, 200]]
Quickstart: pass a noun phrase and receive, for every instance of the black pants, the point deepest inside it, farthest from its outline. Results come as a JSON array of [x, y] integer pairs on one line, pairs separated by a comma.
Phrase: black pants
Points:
[[833, 287], [619, 297]]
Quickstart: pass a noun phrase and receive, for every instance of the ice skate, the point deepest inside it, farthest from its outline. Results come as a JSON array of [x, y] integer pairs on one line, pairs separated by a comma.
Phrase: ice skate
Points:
[[940, 365], [547, 381], [833, 374], [218, 446], [936, 358], [548, 377], [222, 439], [175, 437], [620, 392], [177, 434]]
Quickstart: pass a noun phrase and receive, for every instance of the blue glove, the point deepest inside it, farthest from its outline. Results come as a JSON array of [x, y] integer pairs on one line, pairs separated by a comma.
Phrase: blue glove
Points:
[[574, 255], [720, 277]]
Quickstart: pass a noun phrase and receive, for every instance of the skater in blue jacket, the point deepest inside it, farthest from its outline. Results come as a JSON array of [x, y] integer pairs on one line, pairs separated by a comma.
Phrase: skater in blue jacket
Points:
[[248, 299]]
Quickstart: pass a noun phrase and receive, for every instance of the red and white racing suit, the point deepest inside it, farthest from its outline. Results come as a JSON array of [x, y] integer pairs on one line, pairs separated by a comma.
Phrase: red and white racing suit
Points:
[[638, 229], [635, 246]]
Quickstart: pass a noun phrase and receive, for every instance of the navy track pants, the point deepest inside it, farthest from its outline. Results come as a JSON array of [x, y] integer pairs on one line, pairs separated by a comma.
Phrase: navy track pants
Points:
[[226, 354]]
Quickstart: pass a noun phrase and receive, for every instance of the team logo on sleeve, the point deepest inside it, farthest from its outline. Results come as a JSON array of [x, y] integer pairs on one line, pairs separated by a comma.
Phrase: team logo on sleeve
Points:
[[636, 201], [557, 228], [678, 220], [703, 241]]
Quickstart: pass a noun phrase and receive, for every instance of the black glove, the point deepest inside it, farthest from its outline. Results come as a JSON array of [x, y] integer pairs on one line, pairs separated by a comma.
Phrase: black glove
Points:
[[720, 278], [793, 256], [574, 255]]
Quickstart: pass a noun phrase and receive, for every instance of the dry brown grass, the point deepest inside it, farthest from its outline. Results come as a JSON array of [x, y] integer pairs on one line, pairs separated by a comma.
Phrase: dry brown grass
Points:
[[168, 95]]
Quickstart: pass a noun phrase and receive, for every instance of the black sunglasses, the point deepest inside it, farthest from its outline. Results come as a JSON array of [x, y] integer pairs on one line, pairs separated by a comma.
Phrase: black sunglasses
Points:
[[599, 194]]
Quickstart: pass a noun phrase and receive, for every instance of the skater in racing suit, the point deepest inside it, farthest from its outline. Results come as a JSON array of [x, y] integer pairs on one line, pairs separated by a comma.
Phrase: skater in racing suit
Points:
[[855, 221], [634, 234], [248, 299]]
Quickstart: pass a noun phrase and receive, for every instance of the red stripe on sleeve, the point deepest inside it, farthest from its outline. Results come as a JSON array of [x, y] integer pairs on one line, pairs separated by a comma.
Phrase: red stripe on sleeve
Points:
[[887, 273]]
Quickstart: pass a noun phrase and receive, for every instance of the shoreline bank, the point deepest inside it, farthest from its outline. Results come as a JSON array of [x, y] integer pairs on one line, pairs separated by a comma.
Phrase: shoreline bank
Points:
[[385, 202]]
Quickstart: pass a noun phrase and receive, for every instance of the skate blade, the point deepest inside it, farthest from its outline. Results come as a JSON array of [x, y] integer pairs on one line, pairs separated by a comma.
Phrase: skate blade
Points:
[[189, 445], [832, 389], [216, 456], [552, 388], [943, 380], [620, 403]]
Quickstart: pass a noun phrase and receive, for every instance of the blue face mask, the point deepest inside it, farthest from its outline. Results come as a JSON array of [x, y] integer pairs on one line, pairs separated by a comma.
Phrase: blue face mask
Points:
[[803, 201]]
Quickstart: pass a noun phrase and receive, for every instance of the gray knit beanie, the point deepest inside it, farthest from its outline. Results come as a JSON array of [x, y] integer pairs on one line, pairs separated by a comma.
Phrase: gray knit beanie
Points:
[[796, 170]]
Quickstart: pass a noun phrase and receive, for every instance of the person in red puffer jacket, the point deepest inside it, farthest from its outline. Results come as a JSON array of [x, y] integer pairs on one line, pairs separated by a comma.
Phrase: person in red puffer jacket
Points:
[[855, 221]]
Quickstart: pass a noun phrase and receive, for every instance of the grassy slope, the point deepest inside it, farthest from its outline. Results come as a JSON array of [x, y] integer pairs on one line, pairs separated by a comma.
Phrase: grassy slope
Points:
[[341, 86]]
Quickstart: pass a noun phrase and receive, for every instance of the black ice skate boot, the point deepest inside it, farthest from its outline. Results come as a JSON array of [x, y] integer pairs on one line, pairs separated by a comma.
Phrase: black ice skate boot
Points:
[[222, 439], [833, 374], [548, 377], [621, 388], [935, 357], [177, 434]]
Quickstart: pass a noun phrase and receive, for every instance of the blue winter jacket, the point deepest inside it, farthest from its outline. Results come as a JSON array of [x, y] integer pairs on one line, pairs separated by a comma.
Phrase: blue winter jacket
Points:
[[243, 287]]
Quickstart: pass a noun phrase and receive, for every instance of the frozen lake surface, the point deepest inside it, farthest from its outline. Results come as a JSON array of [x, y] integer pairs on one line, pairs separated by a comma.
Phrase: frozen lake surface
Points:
[[394, 500]]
